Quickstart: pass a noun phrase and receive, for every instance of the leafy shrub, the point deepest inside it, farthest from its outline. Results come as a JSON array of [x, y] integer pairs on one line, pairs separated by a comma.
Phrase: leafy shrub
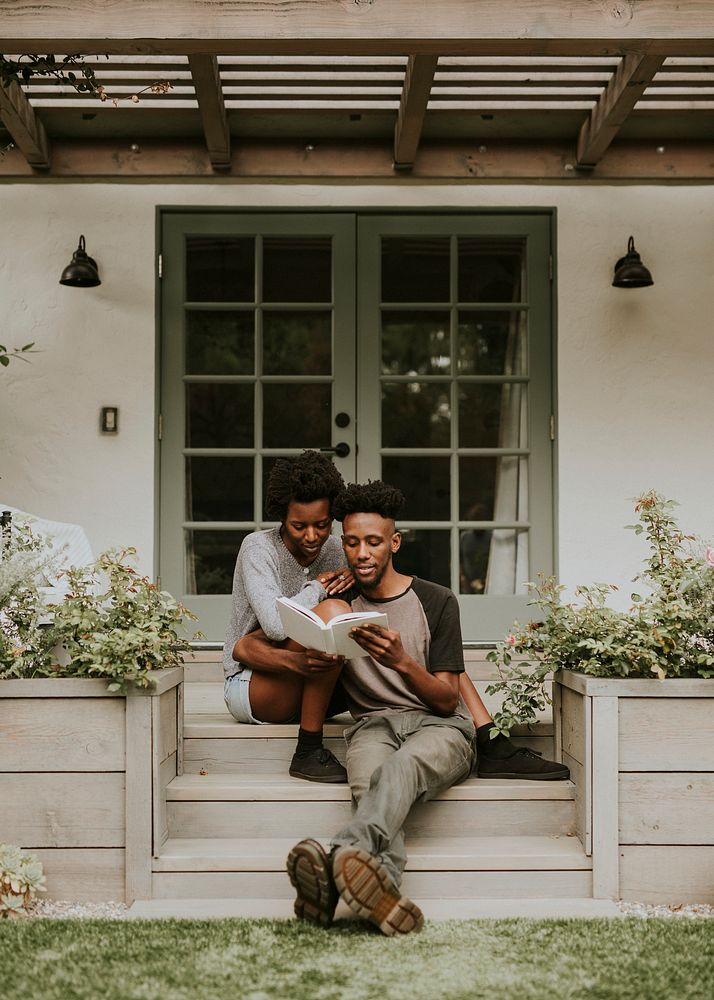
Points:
[[667, 632], [112, 623], [21, 878], [26, 560], [117, 624]]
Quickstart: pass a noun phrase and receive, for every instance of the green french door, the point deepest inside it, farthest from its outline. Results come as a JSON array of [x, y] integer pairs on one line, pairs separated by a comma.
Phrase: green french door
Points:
[[412, 348]]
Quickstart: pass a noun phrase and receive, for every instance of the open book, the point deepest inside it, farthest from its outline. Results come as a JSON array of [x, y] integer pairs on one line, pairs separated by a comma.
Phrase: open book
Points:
[[304, 626]]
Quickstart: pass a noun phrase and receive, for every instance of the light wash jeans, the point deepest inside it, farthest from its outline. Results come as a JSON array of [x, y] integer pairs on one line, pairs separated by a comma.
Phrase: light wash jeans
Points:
[[393, 762]]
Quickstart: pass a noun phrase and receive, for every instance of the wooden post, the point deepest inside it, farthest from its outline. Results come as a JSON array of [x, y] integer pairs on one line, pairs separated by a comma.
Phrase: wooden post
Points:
[[138, 795], [605, 819]]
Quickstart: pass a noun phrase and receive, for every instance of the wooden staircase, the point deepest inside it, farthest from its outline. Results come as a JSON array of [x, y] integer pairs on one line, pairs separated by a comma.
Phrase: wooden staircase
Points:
[[234, 813]]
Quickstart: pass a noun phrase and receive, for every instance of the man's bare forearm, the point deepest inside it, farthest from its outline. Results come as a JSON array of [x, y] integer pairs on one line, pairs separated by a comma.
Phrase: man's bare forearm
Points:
[[439, 694]]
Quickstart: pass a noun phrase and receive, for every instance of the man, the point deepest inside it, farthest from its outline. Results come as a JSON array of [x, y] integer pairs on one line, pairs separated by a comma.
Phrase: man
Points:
[[302, 560], [413, 735]]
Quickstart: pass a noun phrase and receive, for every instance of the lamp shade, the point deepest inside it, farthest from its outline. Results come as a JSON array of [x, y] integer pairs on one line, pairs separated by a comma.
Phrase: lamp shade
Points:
[[82, 271], [630, 272]]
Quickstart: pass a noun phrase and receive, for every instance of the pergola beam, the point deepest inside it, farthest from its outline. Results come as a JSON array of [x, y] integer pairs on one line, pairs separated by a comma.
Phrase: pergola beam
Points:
[[25, 128], [490, 27], [626, 87], [207, 84], [418, 79], [460, 161]]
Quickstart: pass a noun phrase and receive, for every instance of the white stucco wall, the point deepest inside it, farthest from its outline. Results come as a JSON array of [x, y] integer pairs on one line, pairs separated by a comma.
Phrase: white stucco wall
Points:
[[635, 368]]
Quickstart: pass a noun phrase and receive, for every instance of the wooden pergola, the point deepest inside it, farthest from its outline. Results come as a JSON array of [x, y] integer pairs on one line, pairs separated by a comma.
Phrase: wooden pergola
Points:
[[583, 91]]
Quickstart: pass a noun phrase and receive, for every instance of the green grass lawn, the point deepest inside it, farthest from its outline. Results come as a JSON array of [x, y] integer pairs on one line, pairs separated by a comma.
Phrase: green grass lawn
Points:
[[276, 960]]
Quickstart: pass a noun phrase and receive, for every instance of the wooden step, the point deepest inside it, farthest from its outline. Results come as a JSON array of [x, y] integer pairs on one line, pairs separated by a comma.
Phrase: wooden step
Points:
[[256, 805], [433, 909], [218, 744], [262, 788], [207, 698], [211, 854], [456, 867]]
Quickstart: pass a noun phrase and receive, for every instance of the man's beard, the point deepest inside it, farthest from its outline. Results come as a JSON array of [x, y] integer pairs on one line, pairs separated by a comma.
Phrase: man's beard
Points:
[[373, 583]]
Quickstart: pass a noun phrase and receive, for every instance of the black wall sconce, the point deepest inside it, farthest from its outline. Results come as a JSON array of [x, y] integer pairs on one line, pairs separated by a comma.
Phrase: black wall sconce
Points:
[[630, 272], [82, 272]]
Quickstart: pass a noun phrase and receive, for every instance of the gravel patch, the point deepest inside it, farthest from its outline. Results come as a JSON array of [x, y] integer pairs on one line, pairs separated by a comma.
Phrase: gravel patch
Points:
[[666, 909], [60, 909]]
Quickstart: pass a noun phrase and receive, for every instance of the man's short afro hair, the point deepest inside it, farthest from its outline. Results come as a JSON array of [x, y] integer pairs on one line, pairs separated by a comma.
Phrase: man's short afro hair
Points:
[[373, 497], [310, 476]]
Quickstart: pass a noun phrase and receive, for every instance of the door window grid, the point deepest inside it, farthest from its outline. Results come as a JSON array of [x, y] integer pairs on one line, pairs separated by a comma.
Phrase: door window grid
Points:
[[218, 538], [502, 539]]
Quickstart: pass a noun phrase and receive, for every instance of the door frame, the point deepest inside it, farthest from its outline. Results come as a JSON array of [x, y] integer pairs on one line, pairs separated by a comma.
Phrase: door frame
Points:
[[546, 213]]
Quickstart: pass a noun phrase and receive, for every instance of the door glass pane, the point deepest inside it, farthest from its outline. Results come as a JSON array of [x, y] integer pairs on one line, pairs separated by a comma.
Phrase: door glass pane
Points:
[[425, 554], [415, 269], [297, 269], [425, 482], [219, 343], [492, 416], [492, 343], [219, 489], [219, 415], [415, 415], [415, 343], [493, 489], [491, 270], [211, 560], [493, 561], [296, 416], [220, 269], [297, 343]]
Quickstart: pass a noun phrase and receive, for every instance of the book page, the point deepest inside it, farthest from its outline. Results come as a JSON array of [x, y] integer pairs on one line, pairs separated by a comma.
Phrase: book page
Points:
[[343, 625]]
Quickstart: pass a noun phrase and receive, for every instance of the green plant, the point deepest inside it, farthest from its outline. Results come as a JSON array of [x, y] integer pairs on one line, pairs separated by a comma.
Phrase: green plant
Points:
[[117, 624], [20, 879], [112, 623], [71, 70], [667, 632], [26, 561], [7, 353]]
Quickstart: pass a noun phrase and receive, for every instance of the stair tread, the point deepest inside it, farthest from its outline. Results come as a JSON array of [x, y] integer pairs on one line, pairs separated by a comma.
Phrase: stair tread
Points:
[[280, 787], [210, 725], [545, 853], [433, 909]]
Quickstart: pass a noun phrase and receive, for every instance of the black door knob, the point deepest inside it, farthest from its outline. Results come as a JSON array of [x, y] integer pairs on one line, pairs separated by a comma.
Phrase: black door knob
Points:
[[342, 419], [342, 450]]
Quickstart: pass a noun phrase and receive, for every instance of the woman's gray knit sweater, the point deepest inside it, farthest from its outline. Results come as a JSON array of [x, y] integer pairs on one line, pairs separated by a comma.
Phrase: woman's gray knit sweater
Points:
[[265, 571]]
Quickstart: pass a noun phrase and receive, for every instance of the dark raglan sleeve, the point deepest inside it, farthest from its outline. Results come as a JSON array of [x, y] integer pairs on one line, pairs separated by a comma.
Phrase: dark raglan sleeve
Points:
[[442, 614]]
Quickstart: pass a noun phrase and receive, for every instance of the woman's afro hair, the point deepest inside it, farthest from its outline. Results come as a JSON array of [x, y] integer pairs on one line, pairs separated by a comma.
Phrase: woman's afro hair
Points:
[[373, 497], [310, 476]]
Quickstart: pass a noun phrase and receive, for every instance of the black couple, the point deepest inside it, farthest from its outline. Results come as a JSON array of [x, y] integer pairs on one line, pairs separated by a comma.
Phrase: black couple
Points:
[[417, 715]]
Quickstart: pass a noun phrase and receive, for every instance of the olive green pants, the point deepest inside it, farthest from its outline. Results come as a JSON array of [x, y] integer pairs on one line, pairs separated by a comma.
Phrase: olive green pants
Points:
[[393, 762]]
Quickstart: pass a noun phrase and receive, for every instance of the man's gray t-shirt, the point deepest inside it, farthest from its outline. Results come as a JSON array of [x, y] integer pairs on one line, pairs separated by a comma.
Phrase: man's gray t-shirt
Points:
[[427, 617], [266, 570]]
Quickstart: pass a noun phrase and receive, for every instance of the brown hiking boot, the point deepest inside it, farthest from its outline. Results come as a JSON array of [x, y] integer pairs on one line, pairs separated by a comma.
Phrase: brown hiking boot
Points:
[[310, 872], [364, 884]]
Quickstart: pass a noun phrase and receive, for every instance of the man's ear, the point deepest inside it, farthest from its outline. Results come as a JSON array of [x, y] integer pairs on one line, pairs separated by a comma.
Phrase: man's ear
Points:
[[396, 541]]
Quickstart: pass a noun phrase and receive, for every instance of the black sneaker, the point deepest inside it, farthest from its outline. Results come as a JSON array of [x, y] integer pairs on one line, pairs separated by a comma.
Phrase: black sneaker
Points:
[[317, 764], [310, 872], [364, 884], [522, 763]]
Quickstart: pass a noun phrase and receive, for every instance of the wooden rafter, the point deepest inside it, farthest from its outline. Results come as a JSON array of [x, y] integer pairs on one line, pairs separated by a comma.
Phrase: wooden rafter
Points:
[[27, 131], [418, 79], [626, 87], [207, 83]]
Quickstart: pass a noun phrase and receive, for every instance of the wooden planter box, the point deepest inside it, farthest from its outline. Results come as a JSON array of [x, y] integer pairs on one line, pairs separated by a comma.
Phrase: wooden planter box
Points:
[[82, 779], [641, 754]]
